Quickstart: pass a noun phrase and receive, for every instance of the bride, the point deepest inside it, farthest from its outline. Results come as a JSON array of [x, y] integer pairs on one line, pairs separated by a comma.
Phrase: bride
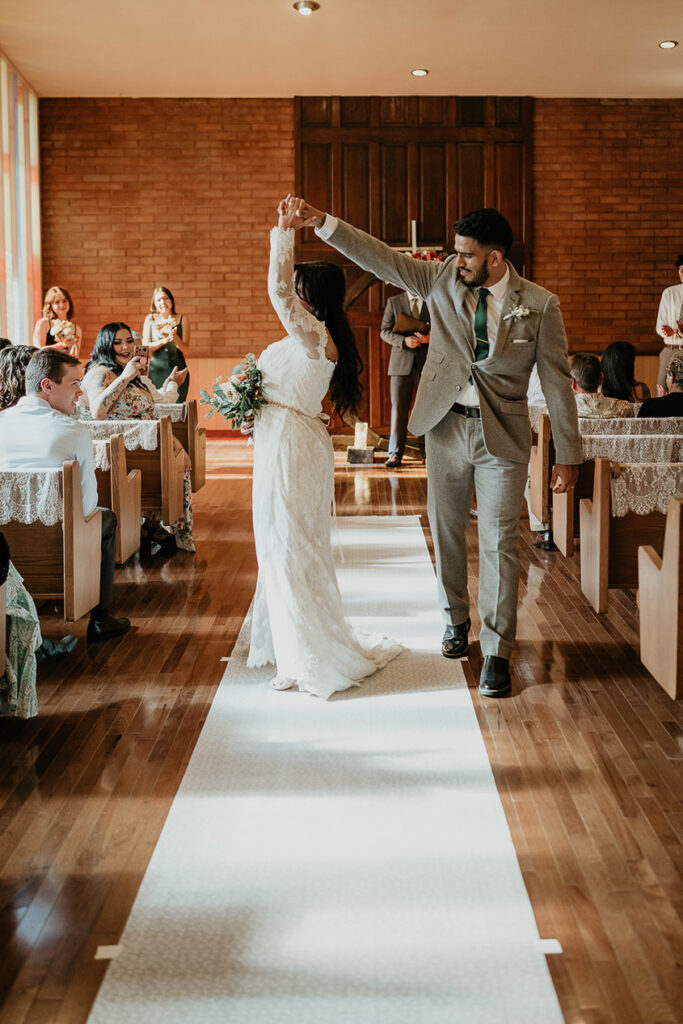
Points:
[[297, 617]]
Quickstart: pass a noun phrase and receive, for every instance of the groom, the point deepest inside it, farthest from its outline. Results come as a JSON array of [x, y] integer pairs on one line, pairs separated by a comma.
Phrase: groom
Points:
[[489, 328]]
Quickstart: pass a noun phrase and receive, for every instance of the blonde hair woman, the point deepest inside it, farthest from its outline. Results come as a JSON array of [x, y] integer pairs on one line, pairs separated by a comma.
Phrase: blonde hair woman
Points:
[[56, 326], [162, 330]]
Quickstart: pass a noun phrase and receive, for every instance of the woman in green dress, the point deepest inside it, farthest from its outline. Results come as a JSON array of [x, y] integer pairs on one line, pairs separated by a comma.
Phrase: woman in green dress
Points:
[[162, 330]]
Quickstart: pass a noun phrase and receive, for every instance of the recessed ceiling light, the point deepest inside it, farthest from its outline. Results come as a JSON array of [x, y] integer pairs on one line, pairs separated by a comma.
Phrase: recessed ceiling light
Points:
[[306, 6], [419, 72], [668, 44]]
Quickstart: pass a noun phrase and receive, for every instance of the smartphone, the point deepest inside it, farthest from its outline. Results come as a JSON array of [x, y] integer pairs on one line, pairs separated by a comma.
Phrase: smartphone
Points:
[[139, 351]]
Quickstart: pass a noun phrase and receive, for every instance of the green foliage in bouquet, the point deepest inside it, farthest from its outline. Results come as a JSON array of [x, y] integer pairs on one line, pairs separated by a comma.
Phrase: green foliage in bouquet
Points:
[[240, 396]]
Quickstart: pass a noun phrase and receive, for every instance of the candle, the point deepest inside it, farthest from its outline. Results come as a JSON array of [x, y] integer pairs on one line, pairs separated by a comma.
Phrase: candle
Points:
[[413, 235], [360, 438]]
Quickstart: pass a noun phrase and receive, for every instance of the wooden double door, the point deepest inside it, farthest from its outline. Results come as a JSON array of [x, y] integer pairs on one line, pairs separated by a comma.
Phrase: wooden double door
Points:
[[382, 163]]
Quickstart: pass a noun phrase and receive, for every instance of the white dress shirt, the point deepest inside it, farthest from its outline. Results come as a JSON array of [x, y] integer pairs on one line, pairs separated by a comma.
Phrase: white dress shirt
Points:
[[33, 435], [494, 302], [669, 312]]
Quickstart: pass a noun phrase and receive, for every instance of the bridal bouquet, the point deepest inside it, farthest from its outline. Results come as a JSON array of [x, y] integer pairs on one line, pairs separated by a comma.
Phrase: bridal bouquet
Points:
[[166, 325], [238, 397], [62, 330]]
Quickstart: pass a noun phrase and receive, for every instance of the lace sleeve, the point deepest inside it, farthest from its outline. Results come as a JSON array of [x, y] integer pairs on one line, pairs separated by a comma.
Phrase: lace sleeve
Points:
[[297, 321]]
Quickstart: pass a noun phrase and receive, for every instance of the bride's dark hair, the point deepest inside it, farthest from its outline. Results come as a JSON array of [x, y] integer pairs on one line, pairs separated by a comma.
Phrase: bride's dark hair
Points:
[[322, 287]]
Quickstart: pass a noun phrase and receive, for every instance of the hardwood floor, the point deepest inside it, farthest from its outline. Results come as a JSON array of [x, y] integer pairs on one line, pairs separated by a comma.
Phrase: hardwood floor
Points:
[[587, 756]]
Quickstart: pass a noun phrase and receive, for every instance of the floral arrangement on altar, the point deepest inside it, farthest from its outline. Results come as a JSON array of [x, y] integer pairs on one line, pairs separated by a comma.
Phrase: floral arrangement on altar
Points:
[[430, 255], [238, 397]]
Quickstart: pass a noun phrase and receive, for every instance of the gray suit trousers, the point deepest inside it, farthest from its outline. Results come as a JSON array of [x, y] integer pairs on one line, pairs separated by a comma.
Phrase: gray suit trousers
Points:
[[402, 387], [457, 463]]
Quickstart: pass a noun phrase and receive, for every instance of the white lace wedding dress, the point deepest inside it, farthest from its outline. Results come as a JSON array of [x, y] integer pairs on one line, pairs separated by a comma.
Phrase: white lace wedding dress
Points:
[[297, 619]]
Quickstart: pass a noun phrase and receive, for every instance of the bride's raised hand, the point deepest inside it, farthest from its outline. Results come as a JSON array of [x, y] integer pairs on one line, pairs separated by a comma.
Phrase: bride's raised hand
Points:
[[291, 213]]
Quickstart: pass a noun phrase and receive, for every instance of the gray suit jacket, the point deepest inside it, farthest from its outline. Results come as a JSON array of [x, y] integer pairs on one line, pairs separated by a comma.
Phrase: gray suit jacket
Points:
[[402, 359], [502, 380]]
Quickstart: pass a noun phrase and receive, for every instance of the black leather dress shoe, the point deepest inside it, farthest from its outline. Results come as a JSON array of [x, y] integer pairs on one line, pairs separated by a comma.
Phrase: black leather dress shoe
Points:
[[52, 650], [494, 680], [455, 643], [393, 462], [106, 629], [544, 541]]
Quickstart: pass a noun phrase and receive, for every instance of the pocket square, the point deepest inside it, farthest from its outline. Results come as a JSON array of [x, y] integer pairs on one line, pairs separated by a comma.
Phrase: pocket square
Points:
[[522, 341]]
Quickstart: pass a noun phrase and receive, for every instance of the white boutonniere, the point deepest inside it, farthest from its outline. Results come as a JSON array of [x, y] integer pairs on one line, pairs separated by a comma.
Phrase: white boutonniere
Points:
[[518, 313]]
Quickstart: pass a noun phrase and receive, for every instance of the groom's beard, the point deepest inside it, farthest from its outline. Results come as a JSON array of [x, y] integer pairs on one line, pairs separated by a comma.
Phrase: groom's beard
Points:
[[478, 279]]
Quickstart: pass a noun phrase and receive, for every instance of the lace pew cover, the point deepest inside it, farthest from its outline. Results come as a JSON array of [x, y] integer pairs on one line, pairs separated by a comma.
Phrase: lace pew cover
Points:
[[177, 412], [665, 425], [645, 487], [535, 414], [31, 496], [633, 448], [136, 433]]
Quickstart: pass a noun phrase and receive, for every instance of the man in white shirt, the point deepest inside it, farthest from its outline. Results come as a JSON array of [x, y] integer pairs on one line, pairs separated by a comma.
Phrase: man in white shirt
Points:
[[40, 433], [670, 323]]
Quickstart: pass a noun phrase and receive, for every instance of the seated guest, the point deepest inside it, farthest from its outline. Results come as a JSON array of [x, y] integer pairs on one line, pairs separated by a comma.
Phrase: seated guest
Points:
[[13, 363], [55, 326], [4, 343], [40, 433], [586, 379], [115, 386], [670, 404], [618, 368]]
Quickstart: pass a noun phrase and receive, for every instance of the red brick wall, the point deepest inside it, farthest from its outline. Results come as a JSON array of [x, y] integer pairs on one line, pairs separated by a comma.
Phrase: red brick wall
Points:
[[608, 213], [181, 192], [166, 191]]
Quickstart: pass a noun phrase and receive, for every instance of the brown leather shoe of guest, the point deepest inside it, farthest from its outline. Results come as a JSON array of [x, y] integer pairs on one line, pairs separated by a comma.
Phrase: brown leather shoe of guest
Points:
[[393, 462]]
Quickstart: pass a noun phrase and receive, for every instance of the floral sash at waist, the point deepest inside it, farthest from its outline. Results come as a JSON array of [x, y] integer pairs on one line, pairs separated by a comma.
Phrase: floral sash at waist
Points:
[[322, 416]]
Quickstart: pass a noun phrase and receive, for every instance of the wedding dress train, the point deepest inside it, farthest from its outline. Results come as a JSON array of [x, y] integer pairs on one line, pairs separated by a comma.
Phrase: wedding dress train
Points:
[[297, 620]]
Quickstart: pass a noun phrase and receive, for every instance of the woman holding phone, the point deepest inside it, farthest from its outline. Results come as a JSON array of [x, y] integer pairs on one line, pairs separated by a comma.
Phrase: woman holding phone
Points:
[[116, 385]]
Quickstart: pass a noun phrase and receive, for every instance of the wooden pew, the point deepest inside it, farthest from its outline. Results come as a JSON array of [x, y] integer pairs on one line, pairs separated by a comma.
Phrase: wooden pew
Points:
[[162, 475], [626, 448], [661, 605], [162, 467], [540, 462], [566, 509], [61, 561], [193, 440], [609, 544], [121, 491]]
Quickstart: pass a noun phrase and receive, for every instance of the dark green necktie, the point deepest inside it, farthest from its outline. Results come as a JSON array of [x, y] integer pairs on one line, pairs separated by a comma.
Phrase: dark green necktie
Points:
[[481, 334]]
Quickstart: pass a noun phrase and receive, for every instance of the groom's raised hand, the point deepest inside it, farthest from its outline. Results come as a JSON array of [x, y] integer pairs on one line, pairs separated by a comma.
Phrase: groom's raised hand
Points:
[[313, 218]]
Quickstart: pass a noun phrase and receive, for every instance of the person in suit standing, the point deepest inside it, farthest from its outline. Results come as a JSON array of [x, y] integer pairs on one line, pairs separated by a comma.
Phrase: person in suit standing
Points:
[[489, 326], [408, 354]]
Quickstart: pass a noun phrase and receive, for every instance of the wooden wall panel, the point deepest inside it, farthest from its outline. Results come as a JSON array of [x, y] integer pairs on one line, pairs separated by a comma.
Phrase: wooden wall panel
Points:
[[432, 216], [356, 184], [395, 195], [380, 162]]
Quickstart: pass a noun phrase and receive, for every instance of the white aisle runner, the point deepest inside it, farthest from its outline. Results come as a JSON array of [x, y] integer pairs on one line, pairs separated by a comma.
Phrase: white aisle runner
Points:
[[340, 862]]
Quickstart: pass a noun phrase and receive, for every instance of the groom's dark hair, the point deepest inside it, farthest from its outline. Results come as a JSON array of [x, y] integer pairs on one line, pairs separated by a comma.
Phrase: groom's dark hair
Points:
[[487, 227]]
